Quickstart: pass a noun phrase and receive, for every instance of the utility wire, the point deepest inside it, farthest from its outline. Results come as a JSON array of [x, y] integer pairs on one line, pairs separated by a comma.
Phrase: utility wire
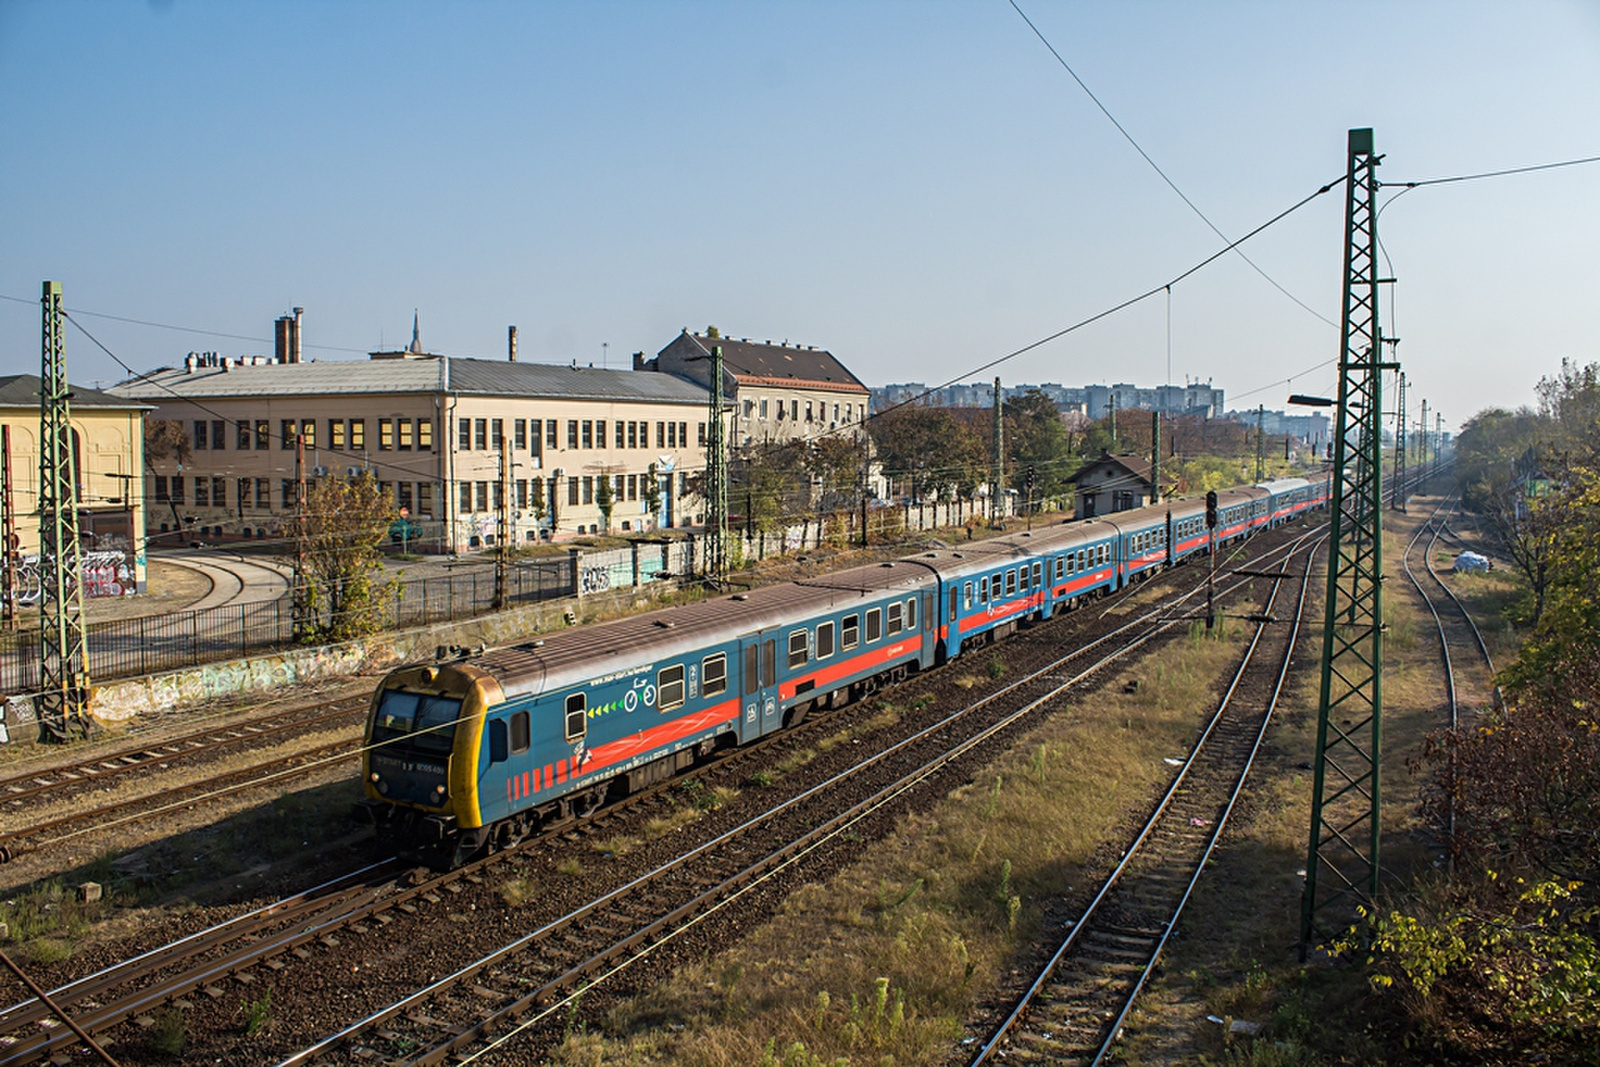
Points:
[[1153, 166], [1491, 173], [179, 329]]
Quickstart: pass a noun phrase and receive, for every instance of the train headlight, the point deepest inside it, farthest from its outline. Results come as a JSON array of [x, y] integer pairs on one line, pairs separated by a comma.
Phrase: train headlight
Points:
[[374, 777], [439, 791]]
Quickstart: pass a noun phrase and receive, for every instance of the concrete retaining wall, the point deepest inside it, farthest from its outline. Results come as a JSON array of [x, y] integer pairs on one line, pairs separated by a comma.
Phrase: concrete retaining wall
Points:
[[116, 703]]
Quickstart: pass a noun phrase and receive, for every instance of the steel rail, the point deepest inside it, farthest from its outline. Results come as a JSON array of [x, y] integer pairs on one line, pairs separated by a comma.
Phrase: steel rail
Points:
[[639, 943], [1082, 926]]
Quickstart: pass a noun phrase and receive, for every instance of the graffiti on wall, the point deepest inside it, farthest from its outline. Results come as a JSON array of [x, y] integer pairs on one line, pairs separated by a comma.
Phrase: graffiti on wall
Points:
[[106, 573]]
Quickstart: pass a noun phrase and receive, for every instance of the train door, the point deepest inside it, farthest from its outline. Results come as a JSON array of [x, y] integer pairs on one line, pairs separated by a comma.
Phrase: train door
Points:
[[760, 704]]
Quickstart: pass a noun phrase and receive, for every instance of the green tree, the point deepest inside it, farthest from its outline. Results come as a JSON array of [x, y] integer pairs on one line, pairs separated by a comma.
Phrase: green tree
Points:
[[604, 499], [167, 439], [770, 483], [652, 493], [1036, 437], [928, 450], [346, 522]]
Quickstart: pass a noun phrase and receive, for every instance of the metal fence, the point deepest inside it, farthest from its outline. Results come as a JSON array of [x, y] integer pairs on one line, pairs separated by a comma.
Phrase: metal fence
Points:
[[126, 648]]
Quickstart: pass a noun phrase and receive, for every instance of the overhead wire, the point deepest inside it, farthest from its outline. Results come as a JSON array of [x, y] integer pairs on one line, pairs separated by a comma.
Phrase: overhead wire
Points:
[[1163, 174]]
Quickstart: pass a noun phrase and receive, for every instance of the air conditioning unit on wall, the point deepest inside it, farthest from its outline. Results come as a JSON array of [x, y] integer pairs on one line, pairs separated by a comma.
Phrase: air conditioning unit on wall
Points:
[[351, 472], [319, 472]]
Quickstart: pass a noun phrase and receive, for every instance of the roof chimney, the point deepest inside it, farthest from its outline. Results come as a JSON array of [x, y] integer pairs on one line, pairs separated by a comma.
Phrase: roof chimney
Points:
[[298, 312], [511, 344]]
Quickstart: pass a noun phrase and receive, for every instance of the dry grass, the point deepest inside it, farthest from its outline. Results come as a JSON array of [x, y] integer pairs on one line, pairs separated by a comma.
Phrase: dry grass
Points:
[[1236, 956], [899, 948]]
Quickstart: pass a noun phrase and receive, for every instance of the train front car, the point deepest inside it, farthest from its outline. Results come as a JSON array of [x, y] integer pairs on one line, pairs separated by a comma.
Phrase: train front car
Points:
[[419, 764]]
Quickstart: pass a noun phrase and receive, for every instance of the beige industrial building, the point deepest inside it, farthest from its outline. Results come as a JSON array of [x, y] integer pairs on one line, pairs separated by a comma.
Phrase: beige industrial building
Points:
[[108, 451], [435, 431]]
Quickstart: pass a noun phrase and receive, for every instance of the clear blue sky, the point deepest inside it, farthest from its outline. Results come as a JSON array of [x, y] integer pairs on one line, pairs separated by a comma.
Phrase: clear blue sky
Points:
[[918, 186]]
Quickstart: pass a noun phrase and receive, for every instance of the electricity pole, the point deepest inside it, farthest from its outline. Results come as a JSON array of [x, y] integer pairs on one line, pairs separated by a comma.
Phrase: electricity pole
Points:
[[1422, 445], [998, 480], [63, 704], [1342, 860], [8, 533], [1261, 442], [300, 595], [1400, 445], [502, 551], [716, 479]]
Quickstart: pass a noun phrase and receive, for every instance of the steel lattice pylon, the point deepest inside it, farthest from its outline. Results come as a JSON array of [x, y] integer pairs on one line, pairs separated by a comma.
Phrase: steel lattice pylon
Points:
[[716, 478], [1342, 862], [1400, 444], [63, 704]]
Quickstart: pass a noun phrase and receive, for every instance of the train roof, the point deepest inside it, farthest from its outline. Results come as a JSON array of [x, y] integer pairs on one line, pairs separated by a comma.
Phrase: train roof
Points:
[[562, 658], [1282, 485]]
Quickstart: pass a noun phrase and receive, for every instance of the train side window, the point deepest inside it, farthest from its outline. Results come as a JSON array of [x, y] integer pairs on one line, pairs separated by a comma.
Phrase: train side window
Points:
[[769, 663], [752, 670], [911, 614], [894, 618], [966, 594], [1059, 566], [824, 640], [713, 675], [669, 688], [1011, 582], [955, 603], [874, 624], [1022, 577], [499, 749], [983, 590], [1038, 574], [797, 648], [520, 735], [850, 632], [577, 717]]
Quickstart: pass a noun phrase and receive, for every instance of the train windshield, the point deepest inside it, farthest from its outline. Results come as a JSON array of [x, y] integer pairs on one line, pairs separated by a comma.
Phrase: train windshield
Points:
[[426, 722]]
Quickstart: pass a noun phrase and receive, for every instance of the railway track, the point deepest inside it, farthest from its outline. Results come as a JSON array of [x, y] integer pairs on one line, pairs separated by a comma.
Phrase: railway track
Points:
[[95, 772], [1432, 529], [527, 982], [310, 925], [1075, 1006]]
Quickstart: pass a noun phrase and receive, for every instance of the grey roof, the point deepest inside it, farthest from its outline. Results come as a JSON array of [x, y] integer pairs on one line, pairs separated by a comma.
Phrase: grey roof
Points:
[[420, 375], [22, 390], [775, 363]]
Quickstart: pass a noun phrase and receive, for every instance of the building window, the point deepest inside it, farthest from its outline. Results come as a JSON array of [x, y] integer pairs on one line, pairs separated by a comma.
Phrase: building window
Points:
[[385, 435], [519, 433], [600, 433], [480, 434], [497, 433], [850, 632], [244, 434], [672, 435], [683, 434], [161, 487], [633, 435], [702, 435], [335, 433], [263, 494], [572, 492], [633, 487], [621, 434], [219, 493], [713, 675], [308, 430], [572, 433], [358, 433], [464, 435], [763, 407], [661, 435], [809, 417], [403, 490], [481, 491], [550, 434], [242, 487], [404, 427], [669, 688], [425, 499], [286, 438], [588, 433], [263, 435], [201, 440], [588, 489], [425, 435], [466, 496], [286, 489]]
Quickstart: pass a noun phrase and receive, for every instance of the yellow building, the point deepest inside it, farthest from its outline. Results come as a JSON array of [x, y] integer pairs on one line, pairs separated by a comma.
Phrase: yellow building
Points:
[[108, 452]]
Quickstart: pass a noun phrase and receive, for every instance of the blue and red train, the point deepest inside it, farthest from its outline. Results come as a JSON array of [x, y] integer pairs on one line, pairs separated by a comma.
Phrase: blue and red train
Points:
[[477, 752]]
